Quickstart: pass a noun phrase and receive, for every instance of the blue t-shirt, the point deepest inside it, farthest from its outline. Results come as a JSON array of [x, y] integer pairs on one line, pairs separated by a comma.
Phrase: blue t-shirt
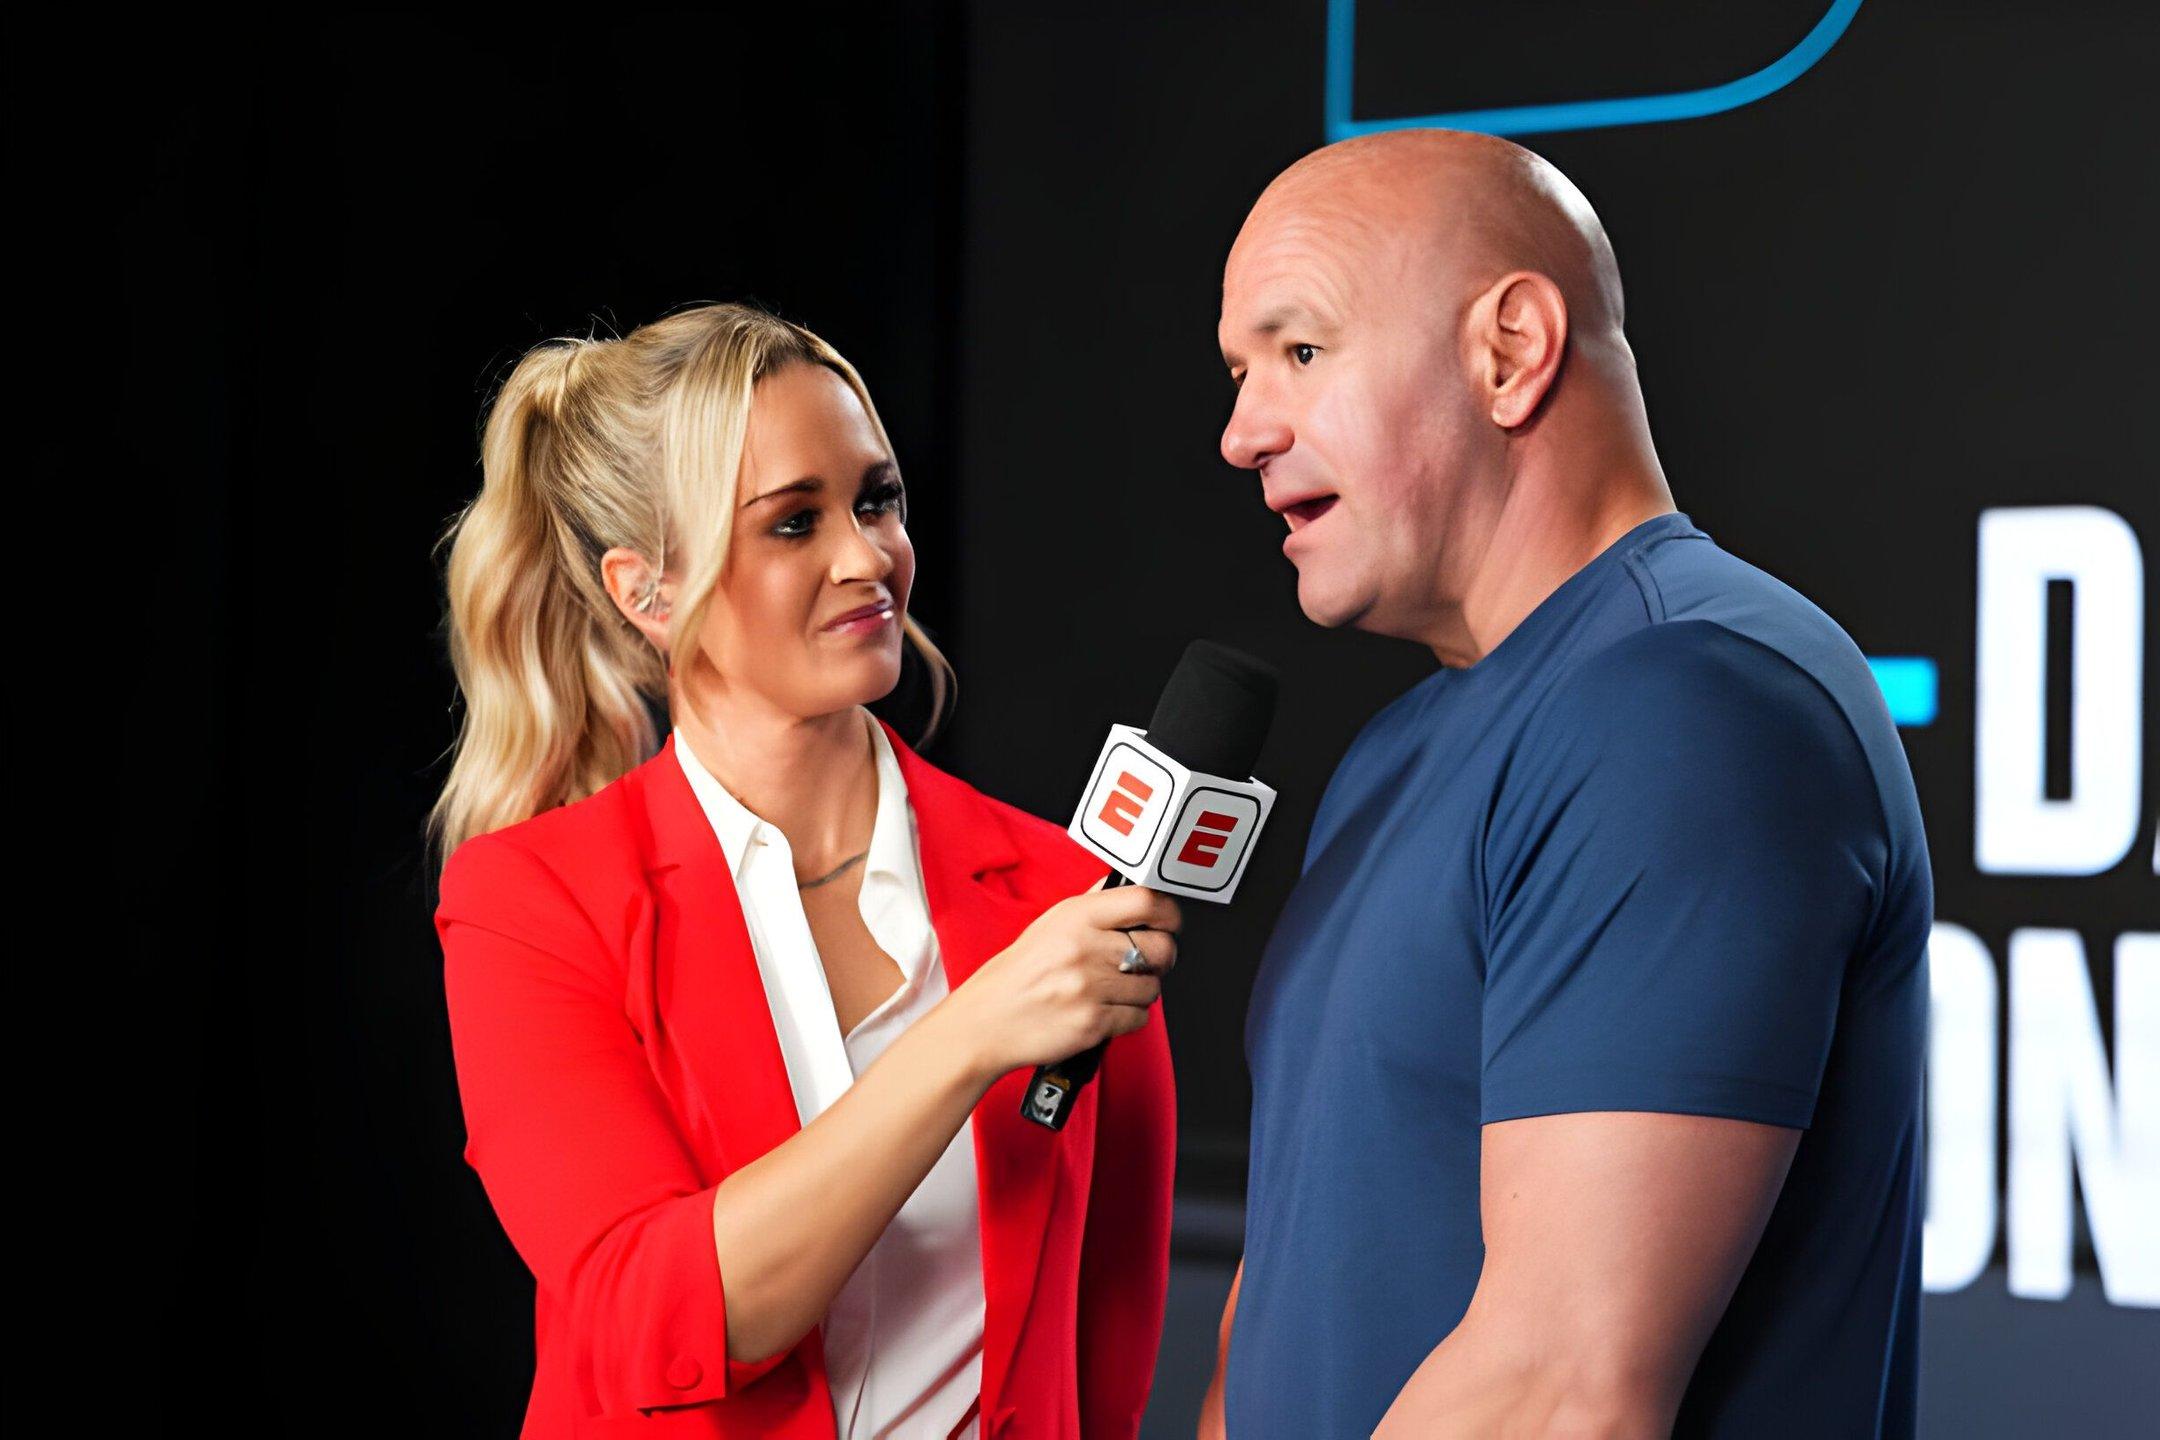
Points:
[[1658, 850]]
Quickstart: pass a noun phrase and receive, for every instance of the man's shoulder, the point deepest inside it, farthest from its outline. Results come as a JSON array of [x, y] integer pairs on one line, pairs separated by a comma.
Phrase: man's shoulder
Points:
[[1692, 578], [1677, 705], [1678, 672]]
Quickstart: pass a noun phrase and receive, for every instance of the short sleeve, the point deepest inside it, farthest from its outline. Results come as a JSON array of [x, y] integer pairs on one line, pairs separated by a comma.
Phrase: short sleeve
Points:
[[1682, 857]]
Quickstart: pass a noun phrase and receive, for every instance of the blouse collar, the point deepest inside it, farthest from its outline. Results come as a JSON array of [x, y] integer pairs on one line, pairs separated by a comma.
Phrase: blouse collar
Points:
[[889, 868]]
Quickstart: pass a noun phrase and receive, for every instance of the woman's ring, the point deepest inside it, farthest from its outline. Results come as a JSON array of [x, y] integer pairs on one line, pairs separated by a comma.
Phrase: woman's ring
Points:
[[1134, 962]]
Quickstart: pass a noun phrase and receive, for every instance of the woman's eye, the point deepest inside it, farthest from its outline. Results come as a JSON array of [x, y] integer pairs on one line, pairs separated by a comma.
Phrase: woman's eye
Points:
[[1303, 354], [889, 498], [885, 499]]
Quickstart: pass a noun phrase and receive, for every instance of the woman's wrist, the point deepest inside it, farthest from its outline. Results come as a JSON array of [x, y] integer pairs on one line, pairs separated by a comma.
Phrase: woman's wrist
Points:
[[955, 1040]]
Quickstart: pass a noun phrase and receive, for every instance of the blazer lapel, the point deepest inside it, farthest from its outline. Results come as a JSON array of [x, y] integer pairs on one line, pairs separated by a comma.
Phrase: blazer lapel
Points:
[[962, 841], [708, 1004], [707, 996]]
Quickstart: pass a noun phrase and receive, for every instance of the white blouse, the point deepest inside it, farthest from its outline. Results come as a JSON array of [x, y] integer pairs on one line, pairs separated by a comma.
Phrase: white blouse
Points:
[[903, 1339]]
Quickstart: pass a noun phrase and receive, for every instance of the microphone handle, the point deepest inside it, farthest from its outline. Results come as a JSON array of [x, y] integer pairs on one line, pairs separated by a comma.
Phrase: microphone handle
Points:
[[1054, 1089]]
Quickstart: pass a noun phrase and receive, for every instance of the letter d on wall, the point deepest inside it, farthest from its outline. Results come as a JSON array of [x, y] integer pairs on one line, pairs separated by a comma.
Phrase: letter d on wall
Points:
[[2017, 828]]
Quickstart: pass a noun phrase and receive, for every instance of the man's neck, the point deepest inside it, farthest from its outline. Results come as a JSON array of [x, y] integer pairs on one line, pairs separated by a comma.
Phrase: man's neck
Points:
[[1539, 540]]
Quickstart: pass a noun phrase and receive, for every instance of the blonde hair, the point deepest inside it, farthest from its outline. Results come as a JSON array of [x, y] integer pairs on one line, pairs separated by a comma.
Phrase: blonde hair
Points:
[[590, 444]]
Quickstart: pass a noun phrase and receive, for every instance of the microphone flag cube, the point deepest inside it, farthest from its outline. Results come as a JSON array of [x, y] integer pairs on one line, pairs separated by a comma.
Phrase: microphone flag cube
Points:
[[1165, 826]]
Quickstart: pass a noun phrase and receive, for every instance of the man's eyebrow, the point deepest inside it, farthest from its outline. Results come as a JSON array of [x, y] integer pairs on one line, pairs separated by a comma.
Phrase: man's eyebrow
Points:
[[1279, 318], [811, 484]]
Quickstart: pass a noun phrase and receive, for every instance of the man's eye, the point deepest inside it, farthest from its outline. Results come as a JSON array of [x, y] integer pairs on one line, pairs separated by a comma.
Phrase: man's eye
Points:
[[1303, 354]]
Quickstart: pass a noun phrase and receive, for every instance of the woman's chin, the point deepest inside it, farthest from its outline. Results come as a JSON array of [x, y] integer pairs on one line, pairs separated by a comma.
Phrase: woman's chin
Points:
[[863, 679]]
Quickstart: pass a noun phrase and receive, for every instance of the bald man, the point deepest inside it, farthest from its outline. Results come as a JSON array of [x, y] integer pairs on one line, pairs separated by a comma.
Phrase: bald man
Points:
[[1587, 1052]]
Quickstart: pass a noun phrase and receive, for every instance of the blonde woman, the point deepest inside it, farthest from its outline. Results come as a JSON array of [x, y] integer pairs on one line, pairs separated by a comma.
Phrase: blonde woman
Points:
[[742, 1014]]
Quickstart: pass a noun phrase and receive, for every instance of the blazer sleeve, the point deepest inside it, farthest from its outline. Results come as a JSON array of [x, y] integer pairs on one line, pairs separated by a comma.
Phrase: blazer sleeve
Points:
[[573, 1140], [1125, 1249], [1125, 1244]]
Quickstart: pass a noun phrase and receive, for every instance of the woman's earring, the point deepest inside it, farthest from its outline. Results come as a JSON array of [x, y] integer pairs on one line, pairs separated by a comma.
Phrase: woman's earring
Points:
[[645, 604]]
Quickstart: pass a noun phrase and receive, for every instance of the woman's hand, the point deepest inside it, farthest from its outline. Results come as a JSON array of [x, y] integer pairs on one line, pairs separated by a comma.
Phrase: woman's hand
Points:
[[1057, 990], [792, 1225]]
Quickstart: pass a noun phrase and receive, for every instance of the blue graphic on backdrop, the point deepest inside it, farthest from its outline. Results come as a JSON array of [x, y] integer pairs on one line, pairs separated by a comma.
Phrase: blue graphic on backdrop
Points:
[[1572, 114]]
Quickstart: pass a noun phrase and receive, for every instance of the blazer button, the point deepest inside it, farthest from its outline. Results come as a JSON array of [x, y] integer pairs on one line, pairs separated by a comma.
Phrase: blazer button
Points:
[[684, 1372]]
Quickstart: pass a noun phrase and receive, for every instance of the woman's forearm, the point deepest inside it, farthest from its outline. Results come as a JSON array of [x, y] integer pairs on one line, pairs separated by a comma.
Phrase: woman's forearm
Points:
[[792, 1225]]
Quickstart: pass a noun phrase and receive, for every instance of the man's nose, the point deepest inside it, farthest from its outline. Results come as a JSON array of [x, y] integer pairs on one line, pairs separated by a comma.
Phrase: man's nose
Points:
[[1256, 432]]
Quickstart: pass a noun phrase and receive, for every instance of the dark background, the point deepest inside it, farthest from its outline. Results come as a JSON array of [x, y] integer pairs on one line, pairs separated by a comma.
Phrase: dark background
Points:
[[276, 270]]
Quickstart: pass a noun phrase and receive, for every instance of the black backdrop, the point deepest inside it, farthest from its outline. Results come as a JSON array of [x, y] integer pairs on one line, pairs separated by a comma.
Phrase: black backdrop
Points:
[[277, 268]]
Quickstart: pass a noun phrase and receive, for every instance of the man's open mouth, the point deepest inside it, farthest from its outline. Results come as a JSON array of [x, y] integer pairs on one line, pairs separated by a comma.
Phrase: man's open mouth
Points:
[[1306, 511]]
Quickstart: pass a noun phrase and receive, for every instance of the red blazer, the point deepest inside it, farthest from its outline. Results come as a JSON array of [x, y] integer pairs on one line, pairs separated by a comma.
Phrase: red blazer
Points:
[[616, 1059]]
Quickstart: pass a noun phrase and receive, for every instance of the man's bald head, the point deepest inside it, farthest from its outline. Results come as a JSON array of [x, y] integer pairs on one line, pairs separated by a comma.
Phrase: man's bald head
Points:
[[1462, 208]]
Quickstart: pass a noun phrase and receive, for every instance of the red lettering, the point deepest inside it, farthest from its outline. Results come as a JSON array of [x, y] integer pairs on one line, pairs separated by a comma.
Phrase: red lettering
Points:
[[1126, 800], [1203, 847]]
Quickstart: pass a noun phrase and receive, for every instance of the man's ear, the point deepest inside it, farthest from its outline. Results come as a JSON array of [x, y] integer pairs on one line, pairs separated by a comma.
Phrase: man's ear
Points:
[[1518, 336]]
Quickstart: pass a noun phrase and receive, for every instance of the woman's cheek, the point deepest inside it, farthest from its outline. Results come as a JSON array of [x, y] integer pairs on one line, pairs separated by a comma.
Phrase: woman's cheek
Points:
[[903, 576]]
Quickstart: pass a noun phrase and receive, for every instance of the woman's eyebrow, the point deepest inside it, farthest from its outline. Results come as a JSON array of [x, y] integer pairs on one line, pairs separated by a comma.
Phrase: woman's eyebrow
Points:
[[810, 484]]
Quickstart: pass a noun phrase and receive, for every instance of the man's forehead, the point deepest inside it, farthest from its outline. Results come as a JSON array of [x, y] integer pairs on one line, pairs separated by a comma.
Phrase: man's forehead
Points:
[[1315, 255], [1298, 284], [1277, 309]]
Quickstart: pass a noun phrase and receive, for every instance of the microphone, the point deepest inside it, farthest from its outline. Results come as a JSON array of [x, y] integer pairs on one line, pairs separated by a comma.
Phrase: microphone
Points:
[[1174, 808]]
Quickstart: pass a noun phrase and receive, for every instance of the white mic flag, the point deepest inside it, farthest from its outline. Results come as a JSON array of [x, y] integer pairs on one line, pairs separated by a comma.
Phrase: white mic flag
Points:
[[1165, 826]]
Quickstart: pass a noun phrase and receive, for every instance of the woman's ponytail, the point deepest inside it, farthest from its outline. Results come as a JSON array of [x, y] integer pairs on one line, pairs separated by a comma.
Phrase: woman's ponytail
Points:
[[554, 680]]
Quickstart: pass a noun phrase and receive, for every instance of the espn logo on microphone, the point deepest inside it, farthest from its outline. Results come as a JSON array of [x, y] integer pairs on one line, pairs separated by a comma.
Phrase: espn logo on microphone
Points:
[[1167, 827]]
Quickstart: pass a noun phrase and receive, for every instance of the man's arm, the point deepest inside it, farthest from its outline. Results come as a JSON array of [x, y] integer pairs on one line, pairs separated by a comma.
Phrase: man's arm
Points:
[[1211, 1408], [1613, 1241], [1681, 861]]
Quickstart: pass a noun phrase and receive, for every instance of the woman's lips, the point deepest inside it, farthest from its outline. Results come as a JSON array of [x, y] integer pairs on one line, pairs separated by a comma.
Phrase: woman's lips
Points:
[[863, 621]]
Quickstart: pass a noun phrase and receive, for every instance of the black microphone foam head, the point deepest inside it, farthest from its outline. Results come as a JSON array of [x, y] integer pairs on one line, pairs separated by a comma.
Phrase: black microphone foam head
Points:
[[1215, 711]]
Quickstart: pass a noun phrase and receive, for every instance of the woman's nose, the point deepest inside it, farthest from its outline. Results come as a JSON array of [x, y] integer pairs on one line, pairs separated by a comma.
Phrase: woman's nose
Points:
[[861, 558]]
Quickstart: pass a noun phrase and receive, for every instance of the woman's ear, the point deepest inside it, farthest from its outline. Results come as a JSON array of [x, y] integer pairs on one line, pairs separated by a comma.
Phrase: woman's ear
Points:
[[642, 596]]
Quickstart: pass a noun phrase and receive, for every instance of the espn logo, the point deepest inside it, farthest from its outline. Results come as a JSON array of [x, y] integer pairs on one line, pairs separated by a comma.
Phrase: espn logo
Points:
[[1128, 799], [1166, 826], [1209, 839], [1203, 847], [1125, 804]]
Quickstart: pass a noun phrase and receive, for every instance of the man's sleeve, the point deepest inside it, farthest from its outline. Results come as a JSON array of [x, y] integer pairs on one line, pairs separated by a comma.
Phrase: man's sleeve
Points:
[[1683, 855]]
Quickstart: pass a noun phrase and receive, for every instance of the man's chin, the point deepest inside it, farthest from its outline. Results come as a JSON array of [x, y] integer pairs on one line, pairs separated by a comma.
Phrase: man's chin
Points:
[[1331, 606]]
